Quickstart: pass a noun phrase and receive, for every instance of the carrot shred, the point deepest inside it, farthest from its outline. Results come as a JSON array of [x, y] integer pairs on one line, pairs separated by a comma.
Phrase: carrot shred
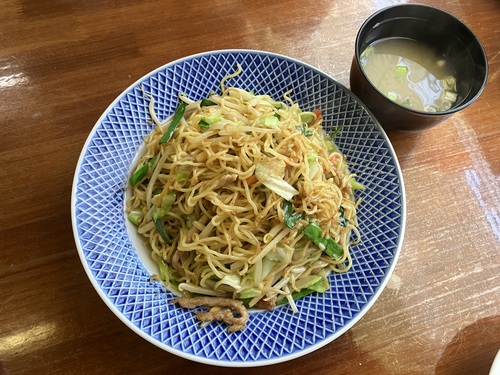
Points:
[[252, 179], [317, 112]]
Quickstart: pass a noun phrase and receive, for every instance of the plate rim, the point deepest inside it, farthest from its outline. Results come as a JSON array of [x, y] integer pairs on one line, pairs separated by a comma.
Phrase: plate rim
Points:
[[211, 361]]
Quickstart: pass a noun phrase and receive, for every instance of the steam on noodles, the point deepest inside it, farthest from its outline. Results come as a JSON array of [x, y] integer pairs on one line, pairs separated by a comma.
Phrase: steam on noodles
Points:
[[246, 198]]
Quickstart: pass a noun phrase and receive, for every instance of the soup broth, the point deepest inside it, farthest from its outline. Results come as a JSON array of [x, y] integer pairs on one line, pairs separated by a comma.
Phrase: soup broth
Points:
[[411, 74]]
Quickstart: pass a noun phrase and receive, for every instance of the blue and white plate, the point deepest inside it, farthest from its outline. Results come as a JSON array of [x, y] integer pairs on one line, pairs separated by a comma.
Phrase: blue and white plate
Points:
[[119, 267]]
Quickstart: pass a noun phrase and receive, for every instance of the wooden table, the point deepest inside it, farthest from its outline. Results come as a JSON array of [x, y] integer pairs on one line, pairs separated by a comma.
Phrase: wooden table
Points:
[[63, 62]]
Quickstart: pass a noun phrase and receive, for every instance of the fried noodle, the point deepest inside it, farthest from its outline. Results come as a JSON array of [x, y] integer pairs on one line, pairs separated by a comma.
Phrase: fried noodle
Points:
[[228, 170]]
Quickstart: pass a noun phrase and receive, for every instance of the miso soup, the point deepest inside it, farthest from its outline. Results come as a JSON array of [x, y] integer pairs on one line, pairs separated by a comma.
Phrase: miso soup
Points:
[[411, 74]]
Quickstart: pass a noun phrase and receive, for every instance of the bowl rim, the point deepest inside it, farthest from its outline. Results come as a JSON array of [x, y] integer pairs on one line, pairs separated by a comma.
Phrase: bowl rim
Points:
[[211, 361]]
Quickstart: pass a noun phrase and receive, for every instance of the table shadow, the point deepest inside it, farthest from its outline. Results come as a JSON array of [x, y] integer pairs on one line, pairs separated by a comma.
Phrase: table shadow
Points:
[[472, 349], [404, 145]]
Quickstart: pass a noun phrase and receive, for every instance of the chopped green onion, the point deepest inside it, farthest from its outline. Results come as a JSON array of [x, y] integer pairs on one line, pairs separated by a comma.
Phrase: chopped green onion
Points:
[[139, 174], [330, 144], [276, 109], [337, 130], [158, 213], [207, 103], [367, 51], [343, 221], [204, 125], [392, 95], [167, 203], [441, 63], [328, 245], [449, 83], [296, 296], [161, 230], [401, 70], [450, 96], [206, 121], [291, 218], [304, 130], [364, 55], [355, 185], [142, 171], [406, 103], [179, 112], [190, 219], [319, 286], [164, 271], [135, 216], [157, 191]]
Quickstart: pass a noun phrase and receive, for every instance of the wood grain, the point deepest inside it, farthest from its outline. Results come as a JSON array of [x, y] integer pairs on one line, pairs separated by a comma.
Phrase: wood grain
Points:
[[63, 62]]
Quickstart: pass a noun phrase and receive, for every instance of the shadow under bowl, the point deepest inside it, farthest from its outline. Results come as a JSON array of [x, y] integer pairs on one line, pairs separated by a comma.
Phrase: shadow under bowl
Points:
[[441, 32]]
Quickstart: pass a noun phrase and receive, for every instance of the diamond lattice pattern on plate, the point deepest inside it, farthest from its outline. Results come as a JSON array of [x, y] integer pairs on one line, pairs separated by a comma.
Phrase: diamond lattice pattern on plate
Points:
[[116, 269]]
